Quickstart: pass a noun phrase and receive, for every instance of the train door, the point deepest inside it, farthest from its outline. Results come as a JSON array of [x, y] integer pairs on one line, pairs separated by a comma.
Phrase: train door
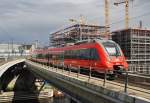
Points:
[[91, 61], [47, 57], [94, 57], [62, 58]]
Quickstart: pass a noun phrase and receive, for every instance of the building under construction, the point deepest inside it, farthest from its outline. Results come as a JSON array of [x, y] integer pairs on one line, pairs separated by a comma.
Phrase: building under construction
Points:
[[135, 44], [75, 33]]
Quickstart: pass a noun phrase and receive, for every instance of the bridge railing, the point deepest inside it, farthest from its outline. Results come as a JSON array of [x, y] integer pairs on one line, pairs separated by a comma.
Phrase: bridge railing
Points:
[[88, 76]]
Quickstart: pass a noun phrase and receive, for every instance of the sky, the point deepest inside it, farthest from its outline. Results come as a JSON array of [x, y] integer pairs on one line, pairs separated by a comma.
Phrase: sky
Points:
[[25, 21]]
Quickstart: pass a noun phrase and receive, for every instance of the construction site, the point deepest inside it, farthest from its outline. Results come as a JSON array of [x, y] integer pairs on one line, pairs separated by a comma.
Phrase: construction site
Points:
[[135, 43], [75, 33]]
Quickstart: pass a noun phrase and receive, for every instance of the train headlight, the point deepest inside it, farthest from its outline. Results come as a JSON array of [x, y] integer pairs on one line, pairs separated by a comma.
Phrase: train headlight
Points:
[[110, 72], [108, 58], [109, 64]]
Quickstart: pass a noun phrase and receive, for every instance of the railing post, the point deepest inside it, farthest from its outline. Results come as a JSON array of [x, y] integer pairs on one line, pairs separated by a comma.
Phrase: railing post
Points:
[[63, 68], [105, 77], [53, 65], [89, 74], [69, 69], [48, 65], [126, 82], [56, 66], [45, 64], [78, 72]]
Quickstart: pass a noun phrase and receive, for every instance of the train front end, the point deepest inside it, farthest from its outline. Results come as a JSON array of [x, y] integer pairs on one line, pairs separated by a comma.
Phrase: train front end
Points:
[[115, 62]]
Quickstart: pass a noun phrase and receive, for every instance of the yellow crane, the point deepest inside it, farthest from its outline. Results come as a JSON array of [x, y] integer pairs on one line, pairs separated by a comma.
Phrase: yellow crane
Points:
[[106, 17], [126, 2]]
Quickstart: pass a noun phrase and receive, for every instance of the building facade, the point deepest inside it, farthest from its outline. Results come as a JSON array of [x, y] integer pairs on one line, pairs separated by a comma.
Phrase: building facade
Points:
[[75, 33], [135, 44], [9, 50]]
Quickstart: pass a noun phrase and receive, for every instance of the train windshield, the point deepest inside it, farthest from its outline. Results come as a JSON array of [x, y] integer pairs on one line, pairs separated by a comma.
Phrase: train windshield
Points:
[[112, 49]]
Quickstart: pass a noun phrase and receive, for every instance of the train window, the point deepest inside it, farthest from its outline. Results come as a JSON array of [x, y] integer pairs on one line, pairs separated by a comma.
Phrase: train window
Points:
[[67, 54], [47, 56], [50, 56], [73, 56], [81, 54], [84, 54], [43, 56], [94, 54], [34, 56], [77, 54], [40, 56], [62, 55], [87, 54], [112, 49]]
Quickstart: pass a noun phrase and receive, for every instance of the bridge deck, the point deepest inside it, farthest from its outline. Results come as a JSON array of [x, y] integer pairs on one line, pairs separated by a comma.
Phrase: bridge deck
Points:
[[110, 85]]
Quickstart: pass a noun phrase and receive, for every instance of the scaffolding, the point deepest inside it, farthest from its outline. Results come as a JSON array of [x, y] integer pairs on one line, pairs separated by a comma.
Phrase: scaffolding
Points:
[[75, 33], [135, 44]]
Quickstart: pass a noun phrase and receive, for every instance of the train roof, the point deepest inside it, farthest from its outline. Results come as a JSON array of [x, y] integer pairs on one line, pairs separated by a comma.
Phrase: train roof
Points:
[[75, 46], [93, 41]]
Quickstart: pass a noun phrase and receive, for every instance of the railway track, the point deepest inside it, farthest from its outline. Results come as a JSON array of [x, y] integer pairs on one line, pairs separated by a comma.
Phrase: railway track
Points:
[[135, 80], [121, 83], [130, 88]]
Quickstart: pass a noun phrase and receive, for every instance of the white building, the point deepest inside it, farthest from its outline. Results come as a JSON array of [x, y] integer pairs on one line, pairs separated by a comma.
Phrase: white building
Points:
[[9, 50]]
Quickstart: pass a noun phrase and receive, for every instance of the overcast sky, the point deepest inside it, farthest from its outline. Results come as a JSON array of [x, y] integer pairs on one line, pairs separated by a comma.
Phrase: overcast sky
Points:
[[30, 20]]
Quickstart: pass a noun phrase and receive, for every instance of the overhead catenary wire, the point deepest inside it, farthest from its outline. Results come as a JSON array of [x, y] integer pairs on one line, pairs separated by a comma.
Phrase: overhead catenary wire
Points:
[[145, 14], [131, 18]]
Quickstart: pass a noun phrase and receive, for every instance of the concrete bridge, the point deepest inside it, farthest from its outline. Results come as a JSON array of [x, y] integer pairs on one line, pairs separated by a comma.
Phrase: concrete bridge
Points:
[[81, 87], [24, 80], [8, 71]]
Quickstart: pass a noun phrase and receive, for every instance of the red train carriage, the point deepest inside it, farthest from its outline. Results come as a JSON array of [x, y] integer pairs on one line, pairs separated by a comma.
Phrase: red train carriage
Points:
[[99, 55]]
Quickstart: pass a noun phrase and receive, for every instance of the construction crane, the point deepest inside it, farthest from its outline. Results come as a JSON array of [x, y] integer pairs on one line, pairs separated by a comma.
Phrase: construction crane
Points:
[[126, 2], [106, 17]]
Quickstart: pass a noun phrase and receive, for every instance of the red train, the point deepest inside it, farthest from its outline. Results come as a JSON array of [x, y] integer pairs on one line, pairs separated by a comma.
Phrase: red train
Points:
[[99, 55]]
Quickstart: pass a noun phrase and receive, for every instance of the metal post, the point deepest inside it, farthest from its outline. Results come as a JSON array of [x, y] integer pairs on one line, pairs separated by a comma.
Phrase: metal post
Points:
[[53, 65], [49, 65], [56, 67], [78, 72], [105, 77], [89, 74], [126, 82], [69, 69], [45, 64], [63, 68], [63, 61]]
